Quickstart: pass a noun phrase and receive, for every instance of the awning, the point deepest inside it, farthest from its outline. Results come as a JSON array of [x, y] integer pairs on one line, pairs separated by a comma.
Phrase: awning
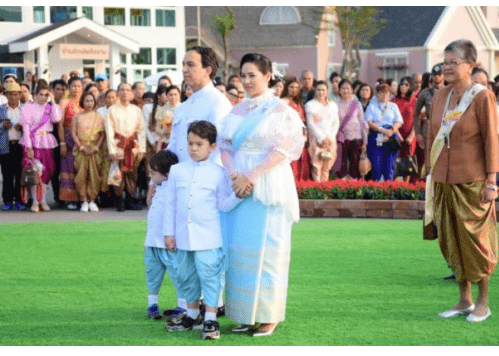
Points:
[[80, 30]]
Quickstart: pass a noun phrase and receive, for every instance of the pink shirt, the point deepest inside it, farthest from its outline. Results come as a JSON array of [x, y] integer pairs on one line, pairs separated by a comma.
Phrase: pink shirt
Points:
[[31, 116], [357, 127]]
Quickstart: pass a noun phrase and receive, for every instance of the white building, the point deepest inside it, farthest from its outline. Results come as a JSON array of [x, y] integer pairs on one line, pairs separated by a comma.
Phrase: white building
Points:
[[126, 43]]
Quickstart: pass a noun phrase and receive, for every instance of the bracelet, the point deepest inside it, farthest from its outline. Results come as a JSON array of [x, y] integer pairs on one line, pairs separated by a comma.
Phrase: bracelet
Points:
[[491, 186], [62, 144], [491, 182]]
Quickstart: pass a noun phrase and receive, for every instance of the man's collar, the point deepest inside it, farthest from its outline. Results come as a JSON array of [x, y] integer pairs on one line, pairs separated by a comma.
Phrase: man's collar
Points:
[[203, 89]]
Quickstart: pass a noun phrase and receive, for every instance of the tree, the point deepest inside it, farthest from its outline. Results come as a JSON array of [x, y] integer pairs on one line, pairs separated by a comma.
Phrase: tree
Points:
[[224, 26], [357, 26]]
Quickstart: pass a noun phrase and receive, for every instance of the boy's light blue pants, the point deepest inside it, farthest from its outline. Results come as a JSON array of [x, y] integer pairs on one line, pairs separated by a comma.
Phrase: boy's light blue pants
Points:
[[158, 261], [200, 271]]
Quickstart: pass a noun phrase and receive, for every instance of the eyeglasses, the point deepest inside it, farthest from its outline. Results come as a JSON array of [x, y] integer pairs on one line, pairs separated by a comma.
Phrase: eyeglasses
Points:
[[452, 63]]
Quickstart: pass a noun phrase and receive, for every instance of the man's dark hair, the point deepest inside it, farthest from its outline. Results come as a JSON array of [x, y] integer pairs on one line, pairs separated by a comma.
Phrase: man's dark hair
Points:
[[208, 58], [59, 82], [24, 85], [134, 86], [162, 161], [204, 129]]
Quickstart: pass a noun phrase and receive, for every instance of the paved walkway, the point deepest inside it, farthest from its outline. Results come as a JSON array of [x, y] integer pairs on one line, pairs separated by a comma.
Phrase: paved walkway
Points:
[[27, 216]]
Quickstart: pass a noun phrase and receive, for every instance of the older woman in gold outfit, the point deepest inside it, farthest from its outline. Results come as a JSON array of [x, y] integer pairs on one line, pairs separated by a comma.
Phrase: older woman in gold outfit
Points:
[[463, 161]]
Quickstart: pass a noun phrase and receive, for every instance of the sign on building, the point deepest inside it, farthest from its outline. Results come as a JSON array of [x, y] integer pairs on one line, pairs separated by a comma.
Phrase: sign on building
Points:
[[83, 51]]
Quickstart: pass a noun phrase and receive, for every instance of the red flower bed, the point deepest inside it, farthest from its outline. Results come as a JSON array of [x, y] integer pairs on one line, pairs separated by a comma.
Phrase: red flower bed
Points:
[[361, 189]]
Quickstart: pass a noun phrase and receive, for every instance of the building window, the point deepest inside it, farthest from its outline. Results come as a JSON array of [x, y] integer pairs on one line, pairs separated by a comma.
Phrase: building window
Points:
[[122, 58], [88, 12], [140, 17], [39, 14], [279, 15], [143, 57], [165, 18], [61, 13], [394, 67], [114, 16], [11, 14], [166, 56]]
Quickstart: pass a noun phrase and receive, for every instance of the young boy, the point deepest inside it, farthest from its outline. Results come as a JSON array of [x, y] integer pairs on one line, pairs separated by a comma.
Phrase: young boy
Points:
[[156, 258], [197, 190]]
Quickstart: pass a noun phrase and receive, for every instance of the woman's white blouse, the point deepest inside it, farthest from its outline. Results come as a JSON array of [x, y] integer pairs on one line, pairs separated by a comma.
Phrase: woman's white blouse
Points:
[[322, 120], [281, 130], [377, 113]]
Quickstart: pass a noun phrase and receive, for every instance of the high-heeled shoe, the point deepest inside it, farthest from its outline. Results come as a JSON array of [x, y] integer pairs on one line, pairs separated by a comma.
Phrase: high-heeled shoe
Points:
[[453, 312], [472, 318], [269, 332]]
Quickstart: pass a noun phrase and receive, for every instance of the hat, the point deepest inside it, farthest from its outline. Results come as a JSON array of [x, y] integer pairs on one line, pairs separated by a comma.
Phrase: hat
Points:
[[100, 76], [437, 69], [13, 87], [9, 75]]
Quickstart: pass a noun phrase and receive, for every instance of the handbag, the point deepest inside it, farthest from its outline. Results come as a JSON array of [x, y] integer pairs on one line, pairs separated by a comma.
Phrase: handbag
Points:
[[394, 143], [364, 164], [405, 167], [29, 176]]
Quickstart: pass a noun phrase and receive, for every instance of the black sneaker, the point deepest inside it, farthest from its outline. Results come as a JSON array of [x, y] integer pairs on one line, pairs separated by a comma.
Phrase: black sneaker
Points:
[[221, 311], [177, 315], [211, 330], [186, 323], [153, 312]]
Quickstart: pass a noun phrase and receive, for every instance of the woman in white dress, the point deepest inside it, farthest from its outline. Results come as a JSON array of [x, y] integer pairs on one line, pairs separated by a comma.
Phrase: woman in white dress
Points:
[[323, 124], [258, 140]]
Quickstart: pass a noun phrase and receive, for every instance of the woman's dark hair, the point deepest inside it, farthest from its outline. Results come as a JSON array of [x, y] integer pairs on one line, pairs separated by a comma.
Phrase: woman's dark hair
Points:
[[183, 97], [159, 91], [343, 81], [24, 85], [165, 77], [208, 58], [72, 80], [82, 99], [426, 80], [109, 91], [204, 129], [162, 161], [89, 86], [409, 93], [321, 82], [362, 86], [233, 76], [42, 85], [356, 83], [148, 95], [262, 62], [297, 99]]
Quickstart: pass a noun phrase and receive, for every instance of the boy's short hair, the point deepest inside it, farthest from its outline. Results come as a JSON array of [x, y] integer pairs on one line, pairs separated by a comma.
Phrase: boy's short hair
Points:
[[204, 129], [162, 161]]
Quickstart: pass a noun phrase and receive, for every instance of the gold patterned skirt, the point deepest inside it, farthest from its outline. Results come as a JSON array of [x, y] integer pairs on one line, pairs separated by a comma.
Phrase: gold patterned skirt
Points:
[[467, 230]]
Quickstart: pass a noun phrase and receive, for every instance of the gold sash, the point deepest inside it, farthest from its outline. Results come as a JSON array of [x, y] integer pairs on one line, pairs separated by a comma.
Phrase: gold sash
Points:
[[443, 137]]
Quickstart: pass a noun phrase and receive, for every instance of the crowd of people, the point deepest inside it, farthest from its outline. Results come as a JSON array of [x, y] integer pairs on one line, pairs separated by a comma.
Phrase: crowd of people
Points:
[[258, 135]]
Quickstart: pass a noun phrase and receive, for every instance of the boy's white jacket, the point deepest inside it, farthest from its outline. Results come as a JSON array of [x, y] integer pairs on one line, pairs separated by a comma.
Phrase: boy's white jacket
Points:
[[196, 192]]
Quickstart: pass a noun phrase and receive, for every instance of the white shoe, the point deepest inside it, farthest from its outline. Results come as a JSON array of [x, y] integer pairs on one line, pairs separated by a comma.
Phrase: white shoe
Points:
[[84, 207], [472, 318], [453, 312], [92, 206]]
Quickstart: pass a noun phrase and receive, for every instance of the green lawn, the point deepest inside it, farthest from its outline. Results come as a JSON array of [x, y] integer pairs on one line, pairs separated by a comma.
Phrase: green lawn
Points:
[[352, 282]]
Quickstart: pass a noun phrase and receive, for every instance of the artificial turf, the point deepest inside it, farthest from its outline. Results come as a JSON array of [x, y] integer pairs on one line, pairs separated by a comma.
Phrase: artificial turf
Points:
[[351, 282]]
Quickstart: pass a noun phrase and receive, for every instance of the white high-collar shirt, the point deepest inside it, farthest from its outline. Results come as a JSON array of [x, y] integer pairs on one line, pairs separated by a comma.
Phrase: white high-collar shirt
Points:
[[196, 191], [155, 217], [207, 104]]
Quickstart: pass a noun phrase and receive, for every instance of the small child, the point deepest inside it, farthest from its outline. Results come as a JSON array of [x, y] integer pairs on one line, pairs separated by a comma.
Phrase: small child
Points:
[[156, 258], [197, 190]]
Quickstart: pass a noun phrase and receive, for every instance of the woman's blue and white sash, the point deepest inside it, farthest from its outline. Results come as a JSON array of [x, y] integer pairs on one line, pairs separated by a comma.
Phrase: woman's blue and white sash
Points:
[[251, 121]]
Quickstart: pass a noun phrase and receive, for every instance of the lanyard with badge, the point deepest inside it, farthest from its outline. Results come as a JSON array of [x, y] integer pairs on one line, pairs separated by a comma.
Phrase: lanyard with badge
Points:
[[380, 137]]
